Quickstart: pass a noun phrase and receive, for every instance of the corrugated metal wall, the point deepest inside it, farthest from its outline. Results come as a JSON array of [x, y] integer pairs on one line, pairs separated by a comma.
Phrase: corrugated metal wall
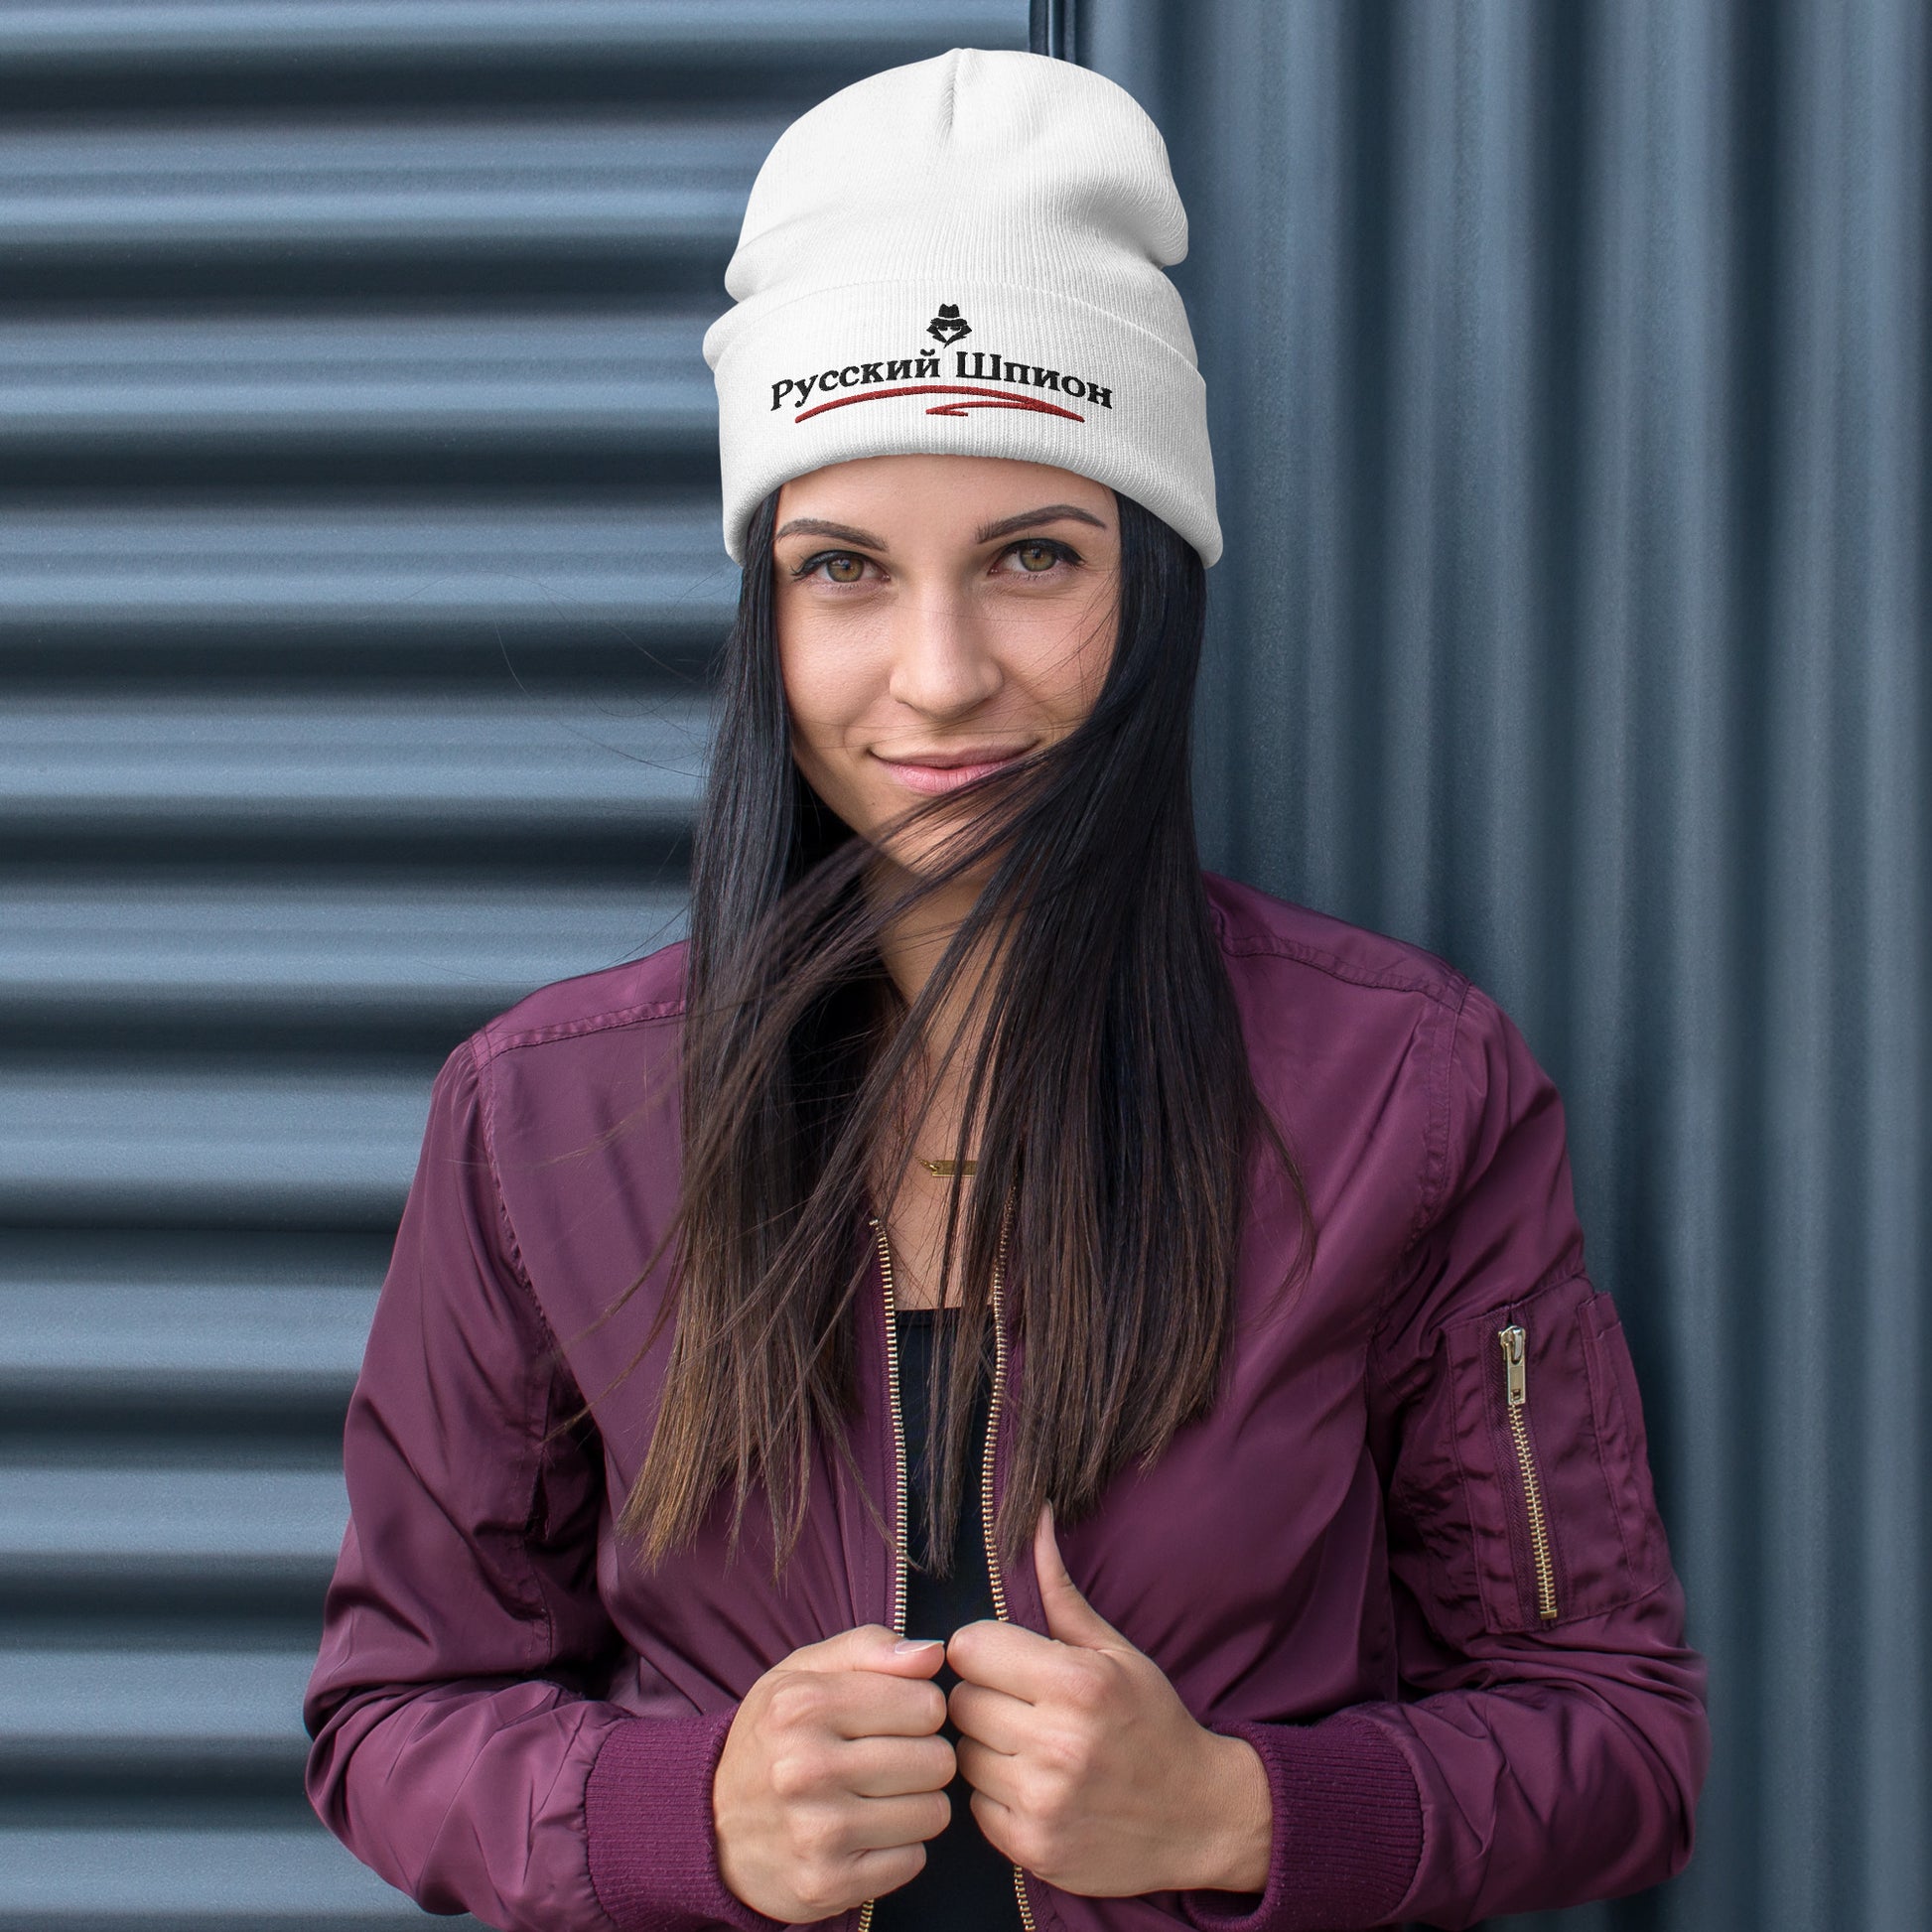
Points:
[[358, 560], [1569, 373], [1569, 361]]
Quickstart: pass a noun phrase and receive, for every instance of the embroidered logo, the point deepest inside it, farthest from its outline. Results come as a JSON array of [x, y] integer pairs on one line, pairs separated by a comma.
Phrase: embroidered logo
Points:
[[948, 326], [911, 375], [980, 399]]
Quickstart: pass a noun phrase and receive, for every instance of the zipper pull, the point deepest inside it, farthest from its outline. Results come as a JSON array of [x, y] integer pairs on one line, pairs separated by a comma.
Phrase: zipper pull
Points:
[[1515, 1344]]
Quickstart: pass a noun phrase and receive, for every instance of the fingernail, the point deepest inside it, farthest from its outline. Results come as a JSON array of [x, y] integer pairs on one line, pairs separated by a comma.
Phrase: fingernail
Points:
[[917, 1643]]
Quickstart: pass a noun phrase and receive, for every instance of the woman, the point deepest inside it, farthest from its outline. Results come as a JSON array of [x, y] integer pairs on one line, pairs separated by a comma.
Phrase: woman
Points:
[[1010, 1382]]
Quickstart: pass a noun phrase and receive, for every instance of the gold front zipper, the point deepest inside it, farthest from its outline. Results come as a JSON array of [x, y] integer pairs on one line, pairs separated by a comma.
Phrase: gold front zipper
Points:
[[1516, 1391], [986, 1489], [986, 1507], [899, 1465], [898, 1430]]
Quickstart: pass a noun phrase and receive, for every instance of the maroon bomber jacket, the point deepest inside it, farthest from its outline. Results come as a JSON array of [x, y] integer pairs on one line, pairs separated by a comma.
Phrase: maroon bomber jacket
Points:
[[1411, 1555]]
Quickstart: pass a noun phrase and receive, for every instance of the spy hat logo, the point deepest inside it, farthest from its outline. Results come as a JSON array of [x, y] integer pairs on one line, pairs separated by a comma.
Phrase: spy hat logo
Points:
[[924, 374], [948, 325]]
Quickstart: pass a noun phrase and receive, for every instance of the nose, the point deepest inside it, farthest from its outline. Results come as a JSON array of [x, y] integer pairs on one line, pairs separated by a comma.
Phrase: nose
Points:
[[943, 663]]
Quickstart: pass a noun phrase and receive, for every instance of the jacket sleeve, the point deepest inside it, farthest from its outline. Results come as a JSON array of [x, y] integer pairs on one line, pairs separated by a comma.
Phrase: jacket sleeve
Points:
[[459, 1748], [1549, 1741]]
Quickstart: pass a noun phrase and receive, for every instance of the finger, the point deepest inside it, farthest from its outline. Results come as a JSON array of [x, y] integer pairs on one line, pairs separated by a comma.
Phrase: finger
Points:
[[988, 1718], [1071, 1619], [875, 1647], [875, 1874], [993, 1773], [879, 1824], [995, 1820], [870, 1703], [890, 1767], [1007, 1657]]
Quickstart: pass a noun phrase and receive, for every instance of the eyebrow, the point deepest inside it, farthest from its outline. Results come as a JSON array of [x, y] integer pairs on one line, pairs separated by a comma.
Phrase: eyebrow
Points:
[[816, 526], [1031, 520]]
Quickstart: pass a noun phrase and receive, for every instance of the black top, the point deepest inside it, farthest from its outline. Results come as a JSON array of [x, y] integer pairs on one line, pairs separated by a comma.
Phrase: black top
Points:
[[966, 1885]]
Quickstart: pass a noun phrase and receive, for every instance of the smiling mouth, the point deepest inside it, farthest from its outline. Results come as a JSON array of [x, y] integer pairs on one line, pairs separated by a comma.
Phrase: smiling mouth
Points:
[[936, 773]]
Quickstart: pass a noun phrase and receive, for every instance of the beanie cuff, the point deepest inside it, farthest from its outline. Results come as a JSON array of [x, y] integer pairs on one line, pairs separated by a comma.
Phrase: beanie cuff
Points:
[[1028, 375]]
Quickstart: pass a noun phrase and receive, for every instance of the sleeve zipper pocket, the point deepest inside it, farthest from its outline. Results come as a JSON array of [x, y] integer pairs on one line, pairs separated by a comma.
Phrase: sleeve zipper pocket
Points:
[[1515, 1344]]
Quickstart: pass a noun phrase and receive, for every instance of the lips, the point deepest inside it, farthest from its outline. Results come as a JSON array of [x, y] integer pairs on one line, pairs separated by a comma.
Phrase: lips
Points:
[[935, 772]]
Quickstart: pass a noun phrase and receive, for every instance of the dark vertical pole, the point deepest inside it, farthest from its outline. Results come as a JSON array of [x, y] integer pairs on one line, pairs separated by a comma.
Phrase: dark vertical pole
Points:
[[1054, 29]]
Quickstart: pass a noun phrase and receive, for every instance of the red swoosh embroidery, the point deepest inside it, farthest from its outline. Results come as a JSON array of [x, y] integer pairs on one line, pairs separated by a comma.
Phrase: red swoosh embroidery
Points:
[[994, 399]]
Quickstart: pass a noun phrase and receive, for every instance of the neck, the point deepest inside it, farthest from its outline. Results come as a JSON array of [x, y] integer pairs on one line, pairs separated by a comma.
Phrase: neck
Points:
[[910, 949]]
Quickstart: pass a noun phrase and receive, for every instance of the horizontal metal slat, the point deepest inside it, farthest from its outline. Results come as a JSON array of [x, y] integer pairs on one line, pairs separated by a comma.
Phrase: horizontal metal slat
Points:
[[122, 1525], [251, 1148], [394, 765], [259, 574], [496, 185], [293, 1879], [246, 952], [152, 1712], [302, 386], [180, 1341], [725, 31]]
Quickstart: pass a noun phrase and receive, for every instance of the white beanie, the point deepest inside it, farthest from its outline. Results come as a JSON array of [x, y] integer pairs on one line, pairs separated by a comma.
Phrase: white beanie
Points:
[[965, 256]]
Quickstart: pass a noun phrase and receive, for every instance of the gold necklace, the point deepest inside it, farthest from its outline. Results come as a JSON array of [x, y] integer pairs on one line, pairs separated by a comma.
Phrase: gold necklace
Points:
[[945, 1170]]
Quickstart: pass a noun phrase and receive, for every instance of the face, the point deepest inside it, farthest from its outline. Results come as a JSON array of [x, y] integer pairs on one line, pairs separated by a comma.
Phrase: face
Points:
[[938, 617]]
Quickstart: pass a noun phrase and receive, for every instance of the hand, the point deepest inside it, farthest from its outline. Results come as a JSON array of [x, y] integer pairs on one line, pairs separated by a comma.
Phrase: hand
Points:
[[833, 1775], [1086, 1766]]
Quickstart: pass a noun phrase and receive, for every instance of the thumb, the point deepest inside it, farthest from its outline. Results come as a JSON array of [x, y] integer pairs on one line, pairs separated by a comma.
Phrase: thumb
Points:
[[871, 1647], [1071, 1619]]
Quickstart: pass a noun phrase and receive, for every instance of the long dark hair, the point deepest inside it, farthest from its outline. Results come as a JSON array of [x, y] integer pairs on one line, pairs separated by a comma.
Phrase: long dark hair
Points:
[[1116, 1118]]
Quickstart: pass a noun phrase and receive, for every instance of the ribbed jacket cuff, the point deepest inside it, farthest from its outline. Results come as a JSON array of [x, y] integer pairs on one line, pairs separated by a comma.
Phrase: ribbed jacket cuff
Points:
[[1348, 1830], [647, 1821]]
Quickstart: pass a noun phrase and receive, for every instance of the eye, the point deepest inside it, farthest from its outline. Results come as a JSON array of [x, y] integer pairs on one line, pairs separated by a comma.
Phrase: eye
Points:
[[838, 566], [1037, 555]]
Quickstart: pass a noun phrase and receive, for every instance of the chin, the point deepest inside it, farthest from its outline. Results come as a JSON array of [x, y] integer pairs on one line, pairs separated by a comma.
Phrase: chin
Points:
[[920, 854]]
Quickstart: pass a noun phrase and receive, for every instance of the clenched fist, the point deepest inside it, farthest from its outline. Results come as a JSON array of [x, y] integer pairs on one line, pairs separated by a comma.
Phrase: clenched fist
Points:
[[833, 1775], [1085, 1765]]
